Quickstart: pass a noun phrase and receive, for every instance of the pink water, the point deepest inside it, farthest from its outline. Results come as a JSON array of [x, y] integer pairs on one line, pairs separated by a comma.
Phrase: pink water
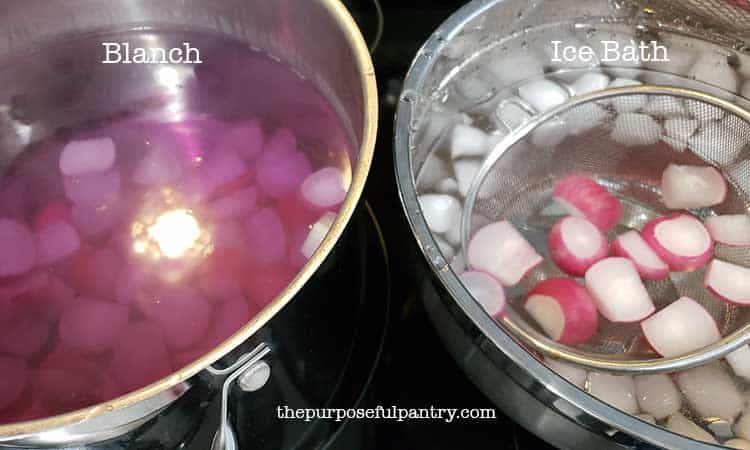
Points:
[[139, 261]]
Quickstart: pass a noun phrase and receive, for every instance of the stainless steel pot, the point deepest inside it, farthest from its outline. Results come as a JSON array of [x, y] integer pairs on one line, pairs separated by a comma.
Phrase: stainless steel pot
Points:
[[318, 38], [477, 37]]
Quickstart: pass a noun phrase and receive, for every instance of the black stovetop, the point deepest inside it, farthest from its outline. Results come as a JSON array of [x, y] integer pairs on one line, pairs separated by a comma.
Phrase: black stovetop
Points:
[[416, 371]]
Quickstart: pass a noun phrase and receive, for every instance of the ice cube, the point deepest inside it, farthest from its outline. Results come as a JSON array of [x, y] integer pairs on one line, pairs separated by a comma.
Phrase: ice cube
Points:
[[466, 170], [467, 140], [713, 68], [543, 95], [589, 82], [440, 211], [636, 129]]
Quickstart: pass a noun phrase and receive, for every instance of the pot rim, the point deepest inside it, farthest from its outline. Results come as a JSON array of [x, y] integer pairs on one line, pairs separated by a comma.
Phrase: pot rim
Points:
[[366, 70], [495, 334]]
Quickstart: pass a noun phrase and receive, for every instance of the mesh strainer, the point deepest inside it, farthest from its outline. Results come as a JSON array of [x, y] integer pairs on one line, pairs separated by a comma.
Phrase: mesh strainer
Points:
[[617, 137]]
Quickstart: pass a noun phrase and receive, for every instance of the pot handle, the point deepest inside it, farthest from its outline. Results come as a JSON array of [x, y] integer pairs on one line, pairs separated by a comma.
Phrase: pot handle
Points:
[[252, 372]]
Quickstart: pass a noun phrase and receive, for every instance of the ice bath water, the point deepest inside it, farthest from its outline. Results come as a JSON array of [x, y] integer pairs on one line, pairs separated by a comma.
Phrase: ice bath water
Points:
[[134, 243]]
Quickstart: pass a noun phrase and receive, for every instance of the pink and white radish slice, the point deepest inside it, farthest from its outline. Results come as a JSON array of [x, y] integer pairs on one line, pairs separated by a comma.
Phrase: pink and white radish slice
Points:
[[681, 327], [632, 246], [615, 390], [711, 392], [564, 310], [685, 187], [657, 395], [618, 291], [729, 282], [486, 291], [500, 250], [680, 240], [583, 197], [575, 244], [732, 229], [325, 188]]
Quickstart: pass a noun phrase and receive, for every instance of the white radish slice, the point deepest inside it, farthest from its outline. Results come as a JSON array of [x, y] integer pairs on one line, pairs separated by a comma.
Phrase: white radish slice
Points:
[[680, 240], [711, 392], [575, 375], [685, 187], [88, 156], [266, 237], [731, 229], [543, 95], [18, 254], [500, 250], [318, 232], [634, 129], [575, 244], [325, 188], [467, 140], [657, 395], [235, 205], [680, 424], [739, 361], [441, 212], [681, 327], [629, 301], [98, 189], [583, 197], [729, 282], [160, 166], [14, 380], [56, 242], [564, 310], [615, 390], [740, 444], [465, 170], [486, 291], [632, 246], [93, 326], [589, 82]]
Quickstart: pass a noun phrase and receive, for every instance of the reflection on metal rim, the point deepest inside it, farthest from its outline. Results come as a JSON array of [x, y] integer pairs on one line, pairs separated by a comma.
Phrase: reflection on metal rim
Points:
[[366, 71]]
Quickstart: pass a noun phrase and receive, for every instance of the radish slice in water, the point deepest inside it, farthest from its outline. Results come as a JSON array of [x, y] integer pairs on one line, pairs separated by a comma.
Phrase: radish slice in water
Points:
[[18, 253], [618, 290], [576, 244], [92, 326], [711, 392], [266, 237], [140, 359], [657, 395], [632, 246], [729, 282], [89, 156], [680, 240], [56, 242], [564, 310], [325, 188], [318, 232], [739, 361], [500, 250], [685, 187], [25, 336], [583, 197], [485, 290], [681, 327], [618, 391], [680, 424], [733, 229], [14, 380]]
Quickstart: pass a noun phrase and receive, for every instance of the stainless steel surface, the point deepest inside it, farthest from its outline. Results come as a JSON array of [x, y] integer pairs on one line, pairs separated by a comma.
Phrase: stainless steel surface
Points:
[[487, 31], [318, 38], [518, 177]]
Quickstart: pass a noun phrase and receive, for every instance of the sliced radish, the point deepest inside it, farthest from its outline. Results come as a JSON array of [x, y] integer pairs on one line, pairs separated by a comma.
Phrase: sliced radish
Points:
[[711, 392], [681, 327], [281, 171], [575, 244], [96, 190], [50, 214], [92, 326], [24, 336], [228, 319], [657, 395], [317, 234], [222, 166], [729, 282], [685, 187], [615, 390], [246, 138], [183, 315], [239, 203], [680, 424], [618, 290], [94, 221], [632, 246], [500, 250], [18, 253], [485, 290], [89, 156], [14, 380], [266, 237], [564, 310], [56, 242], [140, 359], [739, 361], [680, 240], [325, 188], [583, 197], [160, 166], [575, 375], [441, 212], [733, 229]]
